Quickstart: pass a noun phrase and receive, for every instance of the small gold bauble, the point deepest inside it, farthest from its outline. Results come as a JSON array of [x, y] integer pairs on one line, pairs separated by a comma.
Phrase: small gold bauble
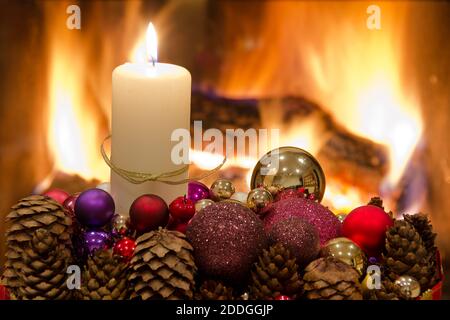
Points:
[[258, 199], [347, 251], [289, 167], [222, 189], [203, 203], [409, 287]]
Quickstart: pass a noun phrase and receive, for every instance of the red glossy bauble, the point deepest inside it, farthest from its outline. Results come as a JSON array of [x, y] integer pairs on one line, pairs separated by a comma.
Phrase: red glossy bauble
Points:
[[181, 227], [125, 248], [177, 225], [148, 212], [283, 298], [366, 226], [57, 194], [4, 294], [182, 209], [69, 203]]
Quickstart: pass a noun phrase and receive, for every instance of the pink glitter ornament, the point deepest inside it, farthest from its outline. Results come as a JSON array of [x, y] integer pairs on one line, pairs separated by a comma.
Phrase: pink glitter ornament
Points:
[[299, 236], [227, 238], [326, 223], [288, 193]]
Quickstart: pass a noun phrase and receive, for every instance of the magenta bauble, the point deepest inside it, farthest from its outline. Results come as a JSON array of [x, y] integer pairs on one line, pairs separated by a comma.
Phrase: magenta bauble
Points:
[[326, 223], [197, 191]]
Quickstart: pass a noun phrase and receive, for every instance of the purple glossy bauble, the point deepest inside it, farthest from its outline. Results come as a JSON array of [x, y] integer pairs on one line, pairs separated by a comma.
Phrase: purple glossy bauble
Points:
[[197, 191], [94, 208], [95, 240]]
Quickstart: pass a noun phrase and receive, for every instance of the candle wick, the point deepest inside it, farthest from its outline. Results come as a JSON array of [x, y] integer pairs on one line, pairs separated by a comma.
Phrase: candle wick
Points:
[[153, 61]]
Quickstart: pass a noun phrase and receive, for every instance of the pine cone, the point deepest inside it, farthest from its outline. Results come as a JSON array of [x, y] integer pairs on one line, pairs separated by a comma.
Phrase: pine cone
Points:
[[105, 277], [376, 201], [214, 290], [425, 229], [274, 274], [163, 266], [43, 273], [330, 279], [406, 254], [38, 240], [387, 291]]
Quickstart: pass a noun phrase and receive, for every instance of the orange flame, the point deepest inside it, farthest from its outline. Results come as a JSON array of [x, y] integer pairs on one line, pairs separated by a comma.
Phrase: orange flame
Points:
[[325, 52], [73, 136]]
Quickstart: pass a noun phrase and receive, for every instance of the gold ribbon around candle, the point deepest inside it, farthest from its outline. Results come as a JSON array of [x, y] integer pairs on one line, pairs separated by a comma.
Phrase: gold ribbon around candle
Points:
[[141, 177]]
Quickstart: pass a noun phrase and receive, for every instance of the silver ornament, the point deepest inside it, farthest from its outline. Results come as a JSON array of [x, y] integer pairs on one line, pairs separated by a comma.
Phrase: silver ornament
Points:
[[409, 287], [119, 224]]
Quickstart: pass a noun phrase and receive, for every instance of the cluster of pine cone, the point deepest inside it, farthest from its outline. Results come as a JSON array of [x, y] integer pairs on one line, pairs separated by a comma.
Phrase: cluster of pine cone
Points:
[[39, 253], [410, 250]]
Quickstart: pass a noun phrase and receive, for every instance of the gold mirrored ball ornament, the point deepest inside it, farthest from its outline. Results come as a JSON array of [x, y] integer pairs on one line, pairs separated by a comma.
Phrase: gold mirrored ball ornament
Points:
[[222, 189], [258, 199], [289, 167], [347, 251]]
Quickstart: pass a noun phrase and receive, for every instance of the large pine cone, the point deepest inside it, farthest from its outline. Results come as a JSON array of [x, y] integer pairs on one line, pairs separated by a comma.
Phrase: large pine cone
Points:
[[331, 279], [274, 274], [406, 254], [425, 229], [163, 266], [214, 290], [38, 238], [423, 226], [105, 277], [43, 273]]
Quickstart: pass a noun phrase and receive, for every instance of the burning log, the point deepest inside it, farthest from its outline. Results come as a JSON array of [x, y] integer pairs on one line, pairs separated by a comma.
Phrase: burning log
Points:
[[71, 183], [343, 155]]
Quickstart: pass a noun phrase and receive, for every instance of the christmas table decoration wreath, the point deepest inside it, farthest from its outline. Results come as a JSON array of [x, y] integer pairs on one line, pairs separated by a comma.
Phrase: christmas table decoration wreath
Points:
[[275, 242]]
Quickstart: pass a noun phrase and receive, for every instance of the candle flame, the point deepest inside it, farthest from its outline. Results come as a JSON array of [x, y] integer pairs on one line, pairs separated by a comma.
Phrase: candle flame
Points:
[[152, 43]]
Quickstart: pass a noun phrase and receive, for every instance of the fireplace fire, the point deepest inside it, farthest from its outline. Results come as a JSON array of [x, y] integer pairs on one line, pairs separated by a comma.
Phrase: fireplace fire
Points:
[[372, 105]]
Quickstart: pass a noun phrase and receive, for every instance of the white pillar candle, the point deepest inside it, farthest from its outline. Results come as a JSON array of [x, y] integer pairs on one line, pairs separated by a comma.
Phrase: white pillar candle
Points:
[[149, 101]]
